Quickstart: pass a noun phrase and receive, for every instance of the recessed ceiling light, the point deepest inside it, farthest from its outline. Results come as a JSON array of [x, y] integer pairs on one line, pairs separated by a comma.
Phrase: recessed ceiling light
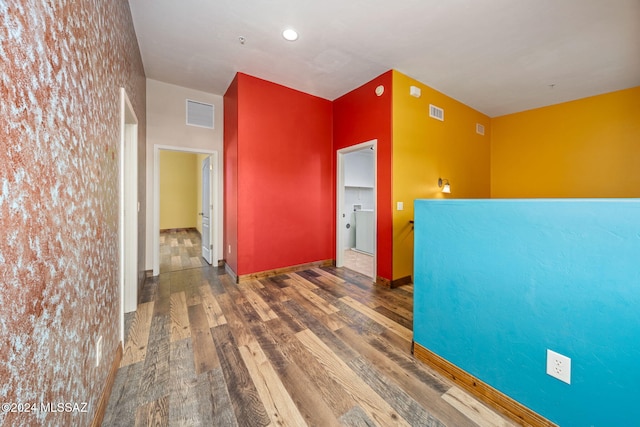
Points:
[[290, 34]]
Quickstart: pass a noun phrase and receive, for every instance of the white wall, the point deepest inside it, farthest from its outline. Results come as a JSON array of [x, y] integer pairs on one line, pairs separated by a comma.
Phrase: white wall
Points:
[[166, 125]]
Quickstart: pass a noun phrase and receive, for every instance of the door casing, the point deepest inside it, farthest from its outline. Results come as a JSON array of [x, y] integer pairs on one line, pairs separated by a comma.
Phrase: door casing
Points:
[[340, 200], [156, 200]]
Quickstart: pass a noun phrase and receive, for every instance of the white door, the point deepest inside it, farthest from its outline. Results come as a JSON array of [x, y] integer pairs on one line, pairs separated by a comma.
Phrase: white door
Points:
[[207, 208]]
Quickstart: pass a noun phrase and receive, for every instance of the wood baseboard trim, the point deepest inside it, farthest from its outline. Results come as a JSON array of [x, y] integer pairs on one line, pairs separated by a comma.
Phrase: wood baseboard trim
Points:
[[178, 230], [390, 284], [284, 270], [106, 391], [481, 390], [230, 272]]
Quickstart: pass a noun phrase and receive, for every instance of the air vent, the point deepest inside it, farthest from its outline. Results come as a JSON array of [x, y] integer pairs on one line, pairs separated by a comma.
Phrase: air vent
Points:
[[436, 112], [479, 129], [199, 114]]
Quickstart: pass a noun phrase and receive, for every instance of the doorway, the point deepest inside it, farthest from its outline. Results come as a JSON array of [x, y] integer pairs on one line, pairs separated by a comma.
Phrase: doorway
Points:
[[128, 221], [356, 216], [207, 183]]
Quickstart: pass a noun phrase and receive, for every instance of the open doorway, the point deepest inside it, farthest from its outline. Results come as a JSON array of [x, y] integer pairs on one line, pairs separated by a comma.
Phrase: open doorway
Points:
[[356, 219], [178, 241]]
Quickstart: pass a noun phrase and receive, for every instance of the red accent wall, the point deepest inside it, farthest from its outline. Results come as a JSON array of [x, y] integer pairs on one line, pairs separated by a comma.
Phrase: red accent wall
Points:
[[279, 172], [231, 175], [361, 116]]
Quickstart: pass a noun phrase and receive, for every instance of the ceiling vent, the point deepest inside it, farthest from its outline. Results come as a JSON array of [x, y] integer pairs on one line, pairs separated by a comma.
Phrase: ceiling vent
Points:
[[199, 114], [436, 112], [479, 129]]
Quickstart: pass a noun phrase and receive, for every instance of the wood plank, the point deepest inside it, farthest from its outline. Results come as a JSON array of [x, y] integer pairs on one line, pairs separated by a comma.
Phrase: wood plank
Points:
[[163, 293], [398, 399], [295, 281], [179, 317], [262, 308], [212, 309], [396, 316], [155, 373], [356, 417], [482, 391], [154, 413], [322, 331], [375, 407], [204, 399], [248, 407], [300, 387], [310, 371], [135, 350], [394, 327], [279, 405], [204, 351], [415, 380], [317, 301], [331, 277], [123, 401], [183, 408], [221, 406], [235, 322], [474, 410]]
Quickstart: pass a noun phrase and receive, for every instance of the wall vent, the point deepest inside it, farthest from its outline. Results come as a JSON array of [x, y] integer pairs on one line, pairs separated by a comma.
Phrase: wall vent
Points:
[[436, 112], [199, 114], [479, 129]]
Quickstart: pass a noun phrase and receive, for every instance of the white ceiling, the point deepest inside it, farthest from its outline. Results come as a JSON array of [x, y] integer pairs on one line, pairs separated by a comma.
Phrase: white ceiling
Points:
[[497, 56]]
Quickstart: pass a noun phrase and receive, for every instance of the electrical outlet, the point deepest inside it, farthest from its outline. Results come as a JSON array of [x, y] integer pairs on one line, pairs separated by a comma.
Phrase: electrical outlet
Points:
[[98, 351], [229, 249], [559, 366]]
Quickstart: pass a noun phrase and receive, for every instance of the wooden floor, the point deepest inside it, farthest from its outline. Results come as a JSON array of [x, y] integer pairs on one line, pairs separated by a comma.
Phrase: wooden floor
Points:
[[180, 249], [321, 347]]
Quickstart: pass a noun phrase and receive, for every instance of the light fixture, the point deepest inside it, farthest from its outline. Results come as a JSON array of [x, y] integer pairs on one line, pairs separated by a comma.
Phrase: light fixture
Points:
[[290, 34], [444, 184]]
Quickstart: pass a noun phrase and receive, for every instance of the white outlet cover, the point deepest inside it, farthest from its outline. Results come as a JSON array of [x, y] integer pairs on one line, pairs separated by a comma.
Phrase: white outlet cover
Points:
[[400, 206], [98, 351], [559, 366]]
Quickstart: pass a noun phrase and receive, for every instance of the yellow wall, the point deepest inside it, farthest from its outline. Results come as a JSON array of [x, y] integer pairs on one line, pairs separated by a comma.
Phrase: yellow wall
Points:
[[178, 190], [425, 149], [584, 148]]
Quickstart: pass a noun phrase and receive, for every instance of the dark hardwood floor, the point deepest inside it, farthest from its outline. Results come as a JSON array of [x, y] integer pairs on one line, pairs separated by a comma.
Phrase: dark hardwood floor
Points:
[[321, 347]]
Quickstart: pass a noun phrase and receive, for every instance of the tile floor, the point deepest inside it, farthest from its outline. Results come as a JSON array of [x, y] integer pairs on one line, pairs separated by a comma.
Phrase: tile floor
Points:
[[359, 261]]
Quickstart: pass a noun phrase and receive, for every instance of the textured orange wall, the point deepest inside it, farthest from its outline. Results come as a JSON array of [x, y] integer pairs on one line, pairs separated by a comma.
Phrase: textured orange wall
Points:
[[584, 148], [63, 64]]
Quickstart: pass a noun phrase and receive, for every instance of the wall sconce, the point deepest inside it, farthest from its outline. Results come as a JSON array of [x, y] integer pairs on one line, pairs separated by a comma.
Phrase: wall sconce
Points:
[[444, 184]]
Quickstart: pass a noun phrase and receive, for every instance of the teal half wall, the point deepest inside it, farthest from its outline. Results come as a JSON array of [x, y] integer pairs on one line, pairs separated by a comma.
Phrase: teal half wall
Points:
[[498, 282]]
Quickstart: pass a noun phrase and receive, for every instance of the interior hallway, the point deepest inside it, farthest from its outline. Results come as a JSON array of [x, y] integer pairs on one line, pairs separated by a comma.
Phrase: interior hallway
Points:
[[319, 347]]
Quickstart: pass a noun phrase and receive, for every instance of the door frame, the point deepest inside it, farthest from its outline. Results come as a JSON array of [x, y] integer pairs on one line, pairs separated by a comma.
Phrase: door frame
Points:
[[156, 200], [340, 200], [209, 174], [129, 209]]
